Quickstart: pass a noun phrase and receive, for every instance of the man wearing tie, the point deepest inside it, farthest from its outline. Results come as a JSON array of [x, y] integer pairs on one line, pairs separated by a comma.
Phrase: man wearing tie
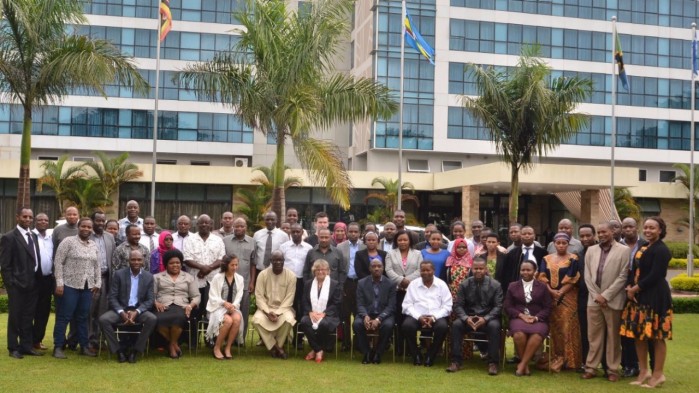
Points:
[[528, 251], [21, 267], [268, 239], [45, 283]]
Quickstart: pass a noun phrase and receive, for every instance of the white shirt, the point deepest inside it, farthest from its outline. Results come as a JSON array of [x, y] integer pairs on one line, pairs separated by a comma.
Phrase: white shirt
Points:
[[178, 240], [279, 237], [531, 253], [295, 256], [204, 252], [421, 300], [45, 252], [145, 241], [124, 222]]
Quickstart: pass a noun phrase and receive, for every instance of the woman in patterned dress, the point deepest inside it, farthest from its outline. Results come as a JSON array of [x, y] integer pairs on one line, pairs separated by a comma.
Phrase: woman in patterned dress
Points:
[[560, 271]]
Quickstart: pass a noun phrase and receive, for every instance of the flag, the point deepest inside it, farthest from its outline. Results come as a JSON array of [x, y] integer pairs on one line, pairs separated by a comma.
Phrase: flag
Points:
[[695, 65], [619, 57], [165, 18], [414, 39]]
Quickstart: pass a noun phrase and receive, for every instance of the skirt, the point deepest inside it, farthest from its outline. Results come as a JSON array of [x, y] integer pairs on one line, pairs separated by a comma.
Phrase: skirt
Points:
[[519, 326], [173, 316], [215, 322], [642, 322]]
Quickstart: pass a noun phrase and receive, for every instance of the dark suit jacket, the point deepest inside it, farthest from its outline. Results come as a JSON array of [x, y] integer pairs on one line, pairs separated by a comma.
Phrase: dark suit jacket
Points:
[[332, 310], [121, 288], [466, 303], [540, 306], [365, 298], [499, 263], [510, 270], [362, 263], [17, 260]]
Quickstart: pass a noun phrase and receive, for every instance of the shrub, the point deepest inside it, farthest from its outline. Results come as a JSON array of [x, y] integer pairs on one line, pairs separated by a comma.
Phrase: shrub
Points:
[[679, 249], [683, 283], [685, 305], [4, 307], [681, 263]]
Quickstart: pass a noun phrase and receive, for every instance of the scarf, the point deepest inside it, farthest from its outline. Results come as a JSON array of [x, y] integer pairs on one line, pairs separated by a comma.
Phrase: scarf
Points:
[[161, 248], [455, 260], [319, 301], [334, 237]]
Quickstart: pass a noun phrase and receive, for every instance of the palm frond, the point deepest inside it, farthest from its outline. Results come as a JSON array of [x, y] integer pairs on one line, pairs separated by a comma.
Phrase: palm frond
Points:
[[324, 161]]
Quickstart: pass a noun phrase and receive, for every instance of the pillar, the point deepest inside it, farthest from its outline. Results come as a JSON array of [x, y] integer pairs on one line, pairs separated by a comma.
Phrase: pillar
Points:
[[470, 205], [590, 212]]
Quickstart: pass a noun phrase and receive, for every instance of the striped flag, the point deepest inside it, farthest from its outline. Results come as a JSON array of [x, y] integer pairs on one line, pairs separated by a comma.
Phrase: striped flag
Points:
[[414, 39], [165, 18], [619, 57]]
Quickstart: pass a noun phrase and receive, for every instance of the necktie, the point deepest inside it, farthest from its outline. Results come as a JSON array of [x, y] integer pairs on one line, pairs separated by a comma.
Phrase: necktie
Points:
[[152, 244], [526, 253], [600, 268], [30, 243], [268, 249]]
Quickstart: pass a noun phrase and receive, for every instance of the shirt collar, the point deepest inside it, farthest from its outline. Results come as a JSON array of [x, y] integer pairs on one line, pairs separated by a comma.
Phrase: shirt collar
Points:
[[136, 276]]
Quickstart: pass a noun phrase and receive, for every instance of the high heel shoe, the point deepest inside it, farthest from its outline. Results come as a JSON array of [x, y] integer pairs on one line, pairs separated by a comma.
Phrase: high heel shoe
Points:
[[319, 357], [642, 379], [654, 384], [310, 356]]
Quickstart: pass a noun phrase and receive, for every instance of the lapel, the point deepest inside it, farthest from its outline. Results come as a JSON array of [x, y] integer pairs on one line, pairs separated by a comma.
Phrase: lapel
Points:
[[595, 252], [20, 238]]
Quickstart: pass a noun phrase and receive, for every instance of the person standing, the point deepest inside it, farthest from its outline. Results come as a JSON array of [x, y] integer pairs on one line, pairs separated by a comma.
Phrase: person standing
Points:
[[349, 249], [149, 237], [295, 252], [20, 265], [78, 279], [132, 218], [389, 234], [178, 238], [528, 251], [648, 315], [364, 257], [574, 246], [605, 278], [325, 250], [243, 247], [120, 256], [321, 222], [267, 240], [226, 225], [67, 229], [586, 232], [45, 283], [100, 304]]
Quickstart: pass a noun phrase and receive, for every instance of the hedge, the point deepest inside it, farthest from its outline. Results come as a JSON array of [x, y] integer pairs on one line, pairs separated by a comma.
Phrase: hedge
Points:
[[681, 263], [679, 249], [683, 283], [685, 305]]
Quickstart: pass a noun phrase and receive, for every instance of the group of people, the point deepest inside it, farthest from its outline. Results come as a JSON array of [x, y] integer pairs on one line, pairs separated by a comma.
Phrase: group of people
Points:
[[602, 299]]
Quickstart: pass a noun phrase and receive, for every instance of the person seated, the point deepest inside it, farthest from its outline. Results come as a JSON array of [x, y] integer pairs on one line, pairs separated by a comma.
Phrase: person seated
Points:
[[321, 314], [376, 304], [156, 256], [130, 301], [528, 305], [225, 317], [426, 306], [176, 295], [274, 296], [477, 309]]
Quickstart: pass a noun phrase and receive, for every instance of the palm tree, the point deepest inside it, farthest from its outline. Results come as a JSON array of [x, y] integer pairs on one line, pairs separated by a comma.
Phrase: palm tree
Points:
[[112, 172], [527, 112], [389, 197], [684, 178], [41, 60], [87, 195], [266, 178], [626, 205], [58, 177], [252, 203], [281, 80]]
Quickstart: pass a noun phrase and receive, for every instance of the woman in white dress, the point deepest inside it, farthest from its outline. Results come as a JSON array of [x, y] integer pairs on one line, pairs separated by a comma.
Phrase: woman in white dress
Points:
[[225, 318]]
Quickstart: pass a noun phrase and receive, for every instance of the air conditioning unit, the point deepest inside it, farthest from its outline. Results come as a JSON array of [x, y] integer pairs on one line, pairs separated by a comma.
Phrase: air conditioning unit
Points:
[[83, 159], [241, 162]]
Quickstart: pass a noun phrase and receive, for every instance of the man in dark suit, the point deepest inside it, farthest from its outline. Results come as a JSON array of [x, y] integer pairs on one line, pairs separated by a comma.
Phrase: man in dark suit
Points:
[[349, 249], [529, 250], [363, 258], [376, 304], [20, 262], [131, 297]]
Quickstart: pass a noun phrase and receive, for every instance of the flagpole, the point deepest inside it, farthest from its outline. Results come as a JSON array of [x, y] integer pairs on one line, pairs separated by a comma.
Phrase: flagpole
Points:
[[400, 111], [690, 254], [155, 117], [614, 88]]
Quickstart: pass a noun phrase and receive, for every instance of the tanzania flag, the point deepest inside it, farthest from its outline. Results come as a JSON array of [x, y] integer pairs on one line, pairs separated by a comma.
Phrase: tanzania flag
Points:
[[165, 18], [619, 57], [414, 39]]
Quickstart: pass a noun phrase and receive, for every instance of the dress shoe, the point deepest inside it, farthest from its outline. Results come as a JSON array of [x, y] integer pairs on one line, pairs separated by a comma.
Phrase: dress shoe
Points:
[[59, 354], [492, 369], [376, 359], [16, 354], [365, 358], [630, 372], [654, 383], [429, 361], [133, 356], [417, 360], [613, 377], [641, 379], [40, 346], [513, 360], [88, 352], [587, 375], [32, 352], [121, 356], [454, 367]]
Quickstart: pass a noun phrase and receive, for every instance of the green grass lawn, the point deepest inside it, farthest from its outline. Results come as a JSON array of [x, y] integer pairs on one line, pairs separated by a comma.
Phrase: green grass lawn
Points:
[[257, 372]]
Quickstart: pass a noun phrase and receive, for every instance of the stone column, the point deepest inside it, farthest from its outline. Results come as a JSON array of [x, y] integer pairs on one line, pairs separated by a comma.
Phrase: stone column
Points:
[[589, 207], [470, 204]]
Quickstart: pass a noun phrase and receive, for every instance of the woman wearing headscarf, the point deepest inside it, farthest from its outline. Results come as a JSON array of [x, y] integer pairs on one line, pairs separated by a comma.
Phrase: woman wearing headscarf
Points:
[[339, 233], [156, 257], [561, 273], [458, 265]]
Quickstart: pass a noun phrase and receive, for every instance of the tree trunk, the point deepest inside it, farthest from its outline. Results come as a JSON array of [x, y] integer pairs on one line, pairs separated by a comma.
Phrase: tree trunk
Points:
[[25, 157], [514, 194], [279, 194]]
